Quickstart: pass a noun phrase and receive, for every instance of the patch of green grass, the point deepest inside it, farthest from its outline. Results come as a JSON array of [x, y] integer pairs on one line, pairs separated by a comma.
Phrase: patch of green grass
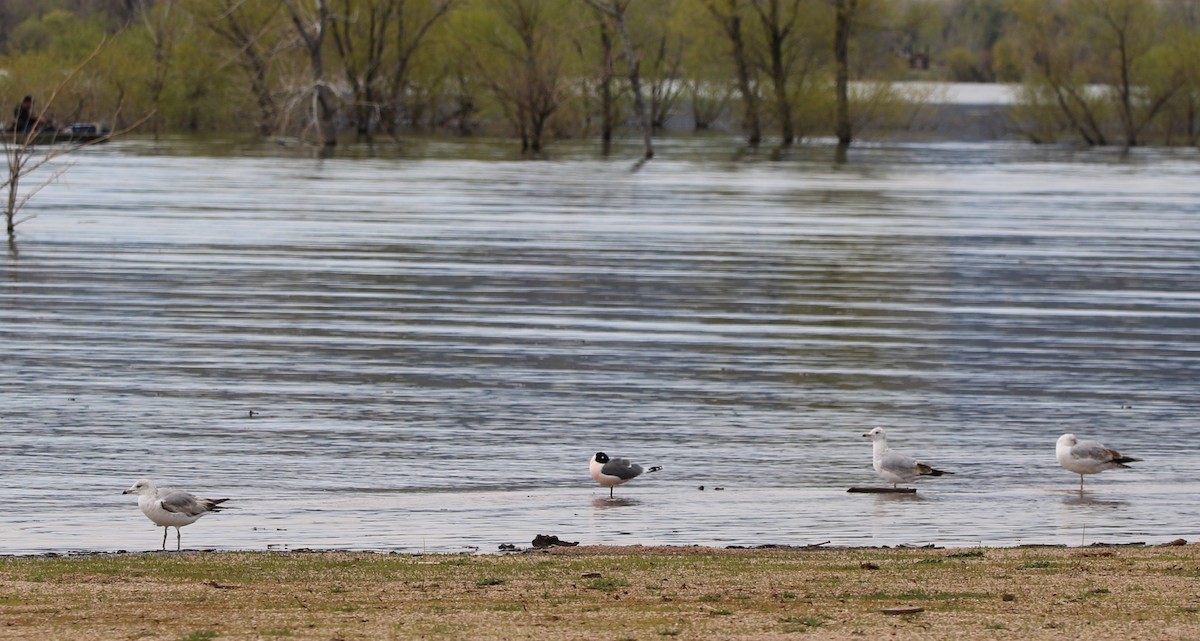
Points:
[[607, 584], [1038, 565], [679, 593], [800, 624]]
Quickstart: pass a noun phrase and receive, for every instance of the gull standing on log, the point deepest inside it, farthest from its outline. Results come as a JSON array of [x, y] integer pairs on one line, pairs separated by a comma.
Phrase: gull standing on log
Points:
[[171, 508], [895, 467]]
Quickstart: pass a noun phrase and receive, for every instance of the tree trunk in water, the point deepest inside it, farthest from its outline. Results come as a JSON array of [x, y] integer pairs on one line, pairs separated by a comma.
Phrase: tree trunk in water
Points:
[[314, 41], [749, 98], [1127, 117], [781, 97], [10, 205], [776, 31], [606, 98], [268, 114], [327, 132], [535, 140], [841, 52], [635, 84], [362, 126]]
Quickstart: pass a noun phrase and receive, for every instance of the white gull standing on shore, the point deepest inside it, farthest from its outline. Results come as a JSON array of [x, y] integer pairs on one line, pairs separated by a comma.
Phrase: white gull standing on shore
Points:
[[171, 508]]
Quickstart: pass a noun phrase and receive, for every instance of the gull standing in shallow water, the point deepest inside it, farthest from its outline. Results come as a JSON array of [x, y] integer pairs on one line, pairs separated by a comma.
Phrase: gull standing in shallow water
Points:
[[895, 467], [171, 508], [1088, 457], [611, 472]]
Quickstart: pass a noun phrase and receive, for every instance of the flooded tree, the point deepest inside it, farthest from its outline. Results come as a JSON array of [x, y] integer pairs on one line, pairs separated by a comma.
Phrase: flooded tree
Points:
[[608, 107], [362, 31], [311, 19], [517, 50], [161, 24], [415, 20], [665, 86], [1127, 34], [729, 14], [615, 12], [778, 19], [1053, 83], [252, 29], [1104, 68], [376, 41], [845, 13]]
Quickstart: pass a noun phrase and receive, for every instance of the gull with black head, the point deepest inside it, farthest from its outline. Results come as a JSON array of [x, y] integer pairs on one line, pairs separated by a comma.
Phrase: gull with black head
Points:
[[611, 472]]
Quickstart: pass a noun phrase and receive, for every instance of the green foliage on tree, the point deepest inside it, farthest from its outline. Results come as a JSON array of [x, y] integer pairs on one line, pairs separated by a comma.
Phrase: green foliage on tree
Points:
[[1103, 71]]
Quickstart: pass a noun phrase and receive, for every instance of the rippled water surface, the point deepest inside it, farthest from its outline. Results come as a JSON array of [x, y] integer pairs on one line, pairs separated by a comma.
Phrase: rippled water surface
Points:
[[423, 352]]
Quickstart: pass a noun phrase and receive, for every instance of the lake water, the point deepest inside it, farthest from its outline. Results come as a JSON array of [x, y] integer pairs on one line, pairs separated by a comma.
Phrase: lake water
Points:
[[434, 343]]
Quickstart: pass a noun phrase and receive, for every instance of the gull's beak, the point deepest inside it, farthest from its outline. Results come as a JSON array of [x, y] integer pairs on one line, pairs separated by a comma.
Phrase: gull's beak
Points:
[[129, 491], [867, 435]]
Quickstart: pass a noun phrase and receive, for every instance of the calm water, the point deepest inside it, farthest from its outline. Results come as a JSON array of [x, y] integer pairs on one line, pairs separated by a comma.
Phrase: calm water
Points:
[[434, 345]]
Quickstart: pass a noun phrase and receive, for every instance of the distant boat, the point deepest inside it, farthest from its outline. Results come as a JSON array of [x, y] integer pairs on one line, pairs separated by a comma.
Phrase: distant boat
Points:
[[76, 133]]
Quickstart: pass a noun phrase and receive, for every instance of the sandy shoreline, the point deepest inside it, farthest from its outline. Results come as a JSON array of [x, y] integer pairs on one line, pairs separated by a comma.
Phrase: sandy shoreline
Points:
[[610, 593], [567, 546]]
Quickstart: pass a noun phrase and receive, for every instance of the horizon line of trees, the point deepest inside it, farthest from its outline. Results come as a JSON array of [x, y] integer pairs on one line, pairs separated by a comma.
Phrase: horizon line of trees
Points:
[[1102, 72]]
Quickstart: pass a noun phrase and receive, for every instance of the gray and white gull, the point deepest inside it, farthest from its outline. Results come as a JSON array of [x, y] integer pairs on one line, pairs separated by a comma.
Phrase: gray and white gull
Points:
[[1088, 457], [171, 508], [893, 466]]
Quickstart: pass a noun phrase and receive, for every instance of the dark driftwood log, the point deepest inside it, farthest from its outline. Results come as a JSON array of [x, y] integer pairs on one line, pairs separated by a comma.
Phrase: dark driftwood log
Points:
[[883, 490], [908, 610]]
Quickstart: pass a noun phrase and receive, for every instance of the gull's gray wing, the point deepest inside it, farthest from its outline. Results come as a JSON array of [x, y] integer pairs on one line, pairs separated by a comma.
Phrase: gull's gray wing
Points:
[[621, 468], [1093, 451], [182, 502], [898, 464]]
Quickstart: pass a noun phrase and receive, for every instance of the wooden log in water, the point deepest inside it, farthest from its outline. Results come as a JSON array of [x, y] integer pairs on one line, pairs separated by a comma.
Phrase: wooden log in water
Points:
[[882, 490]]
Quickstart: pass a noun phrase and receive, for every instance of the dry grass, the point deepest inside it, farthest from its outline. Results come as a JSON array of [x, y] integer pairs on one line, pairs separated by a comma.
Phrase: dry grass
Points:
[[609, 594]]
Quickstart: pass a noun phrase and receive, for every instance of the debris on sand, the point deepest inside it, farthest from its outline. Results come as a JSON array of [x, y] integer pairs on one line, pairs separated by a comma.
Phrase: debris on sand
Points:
[[543, 541]]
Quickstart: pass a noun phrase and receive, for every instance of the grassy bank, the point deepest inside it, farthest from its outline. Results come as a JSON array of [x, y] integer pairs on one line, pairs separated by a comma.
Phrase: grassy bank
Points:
[[609, 594]]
